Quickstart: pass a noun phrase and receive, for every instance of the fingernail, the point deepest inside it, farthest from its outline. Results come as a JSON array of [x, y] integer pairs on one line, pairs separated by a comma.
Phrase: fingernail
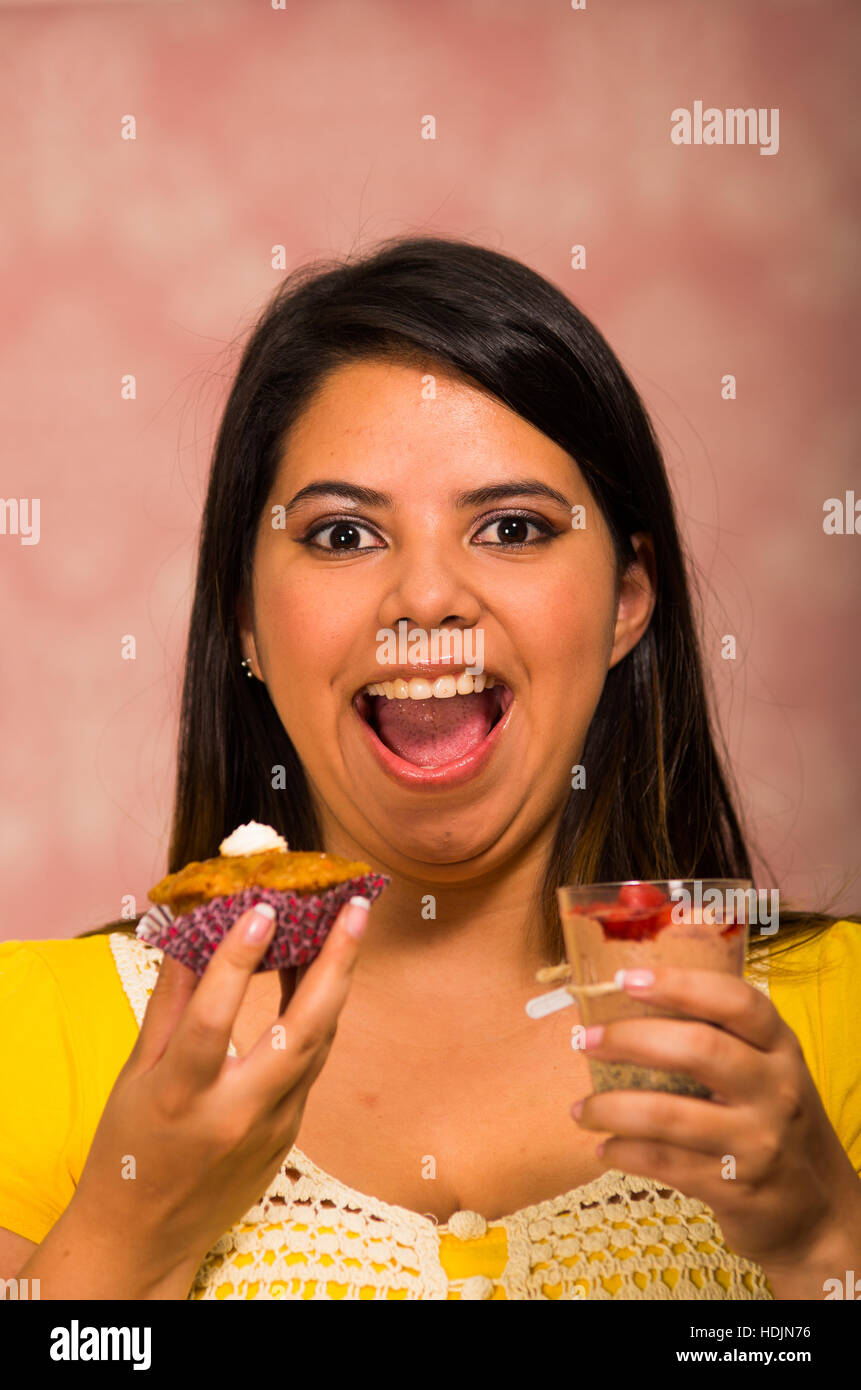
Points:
[[592, 1037], [260, 924], [638, 979], [577, 1109], [357, 917]]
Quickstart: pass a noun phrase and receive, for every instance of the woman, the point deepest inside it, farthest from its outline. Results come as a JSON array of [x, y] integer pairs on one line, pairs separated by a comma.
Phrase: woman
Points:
[[434, 436]]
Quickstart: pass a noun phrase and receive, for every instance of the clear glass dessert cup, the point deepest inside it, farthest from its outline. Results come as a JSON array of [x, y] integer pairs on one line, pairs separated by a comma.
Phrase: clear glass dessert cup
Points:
[[699, 924]]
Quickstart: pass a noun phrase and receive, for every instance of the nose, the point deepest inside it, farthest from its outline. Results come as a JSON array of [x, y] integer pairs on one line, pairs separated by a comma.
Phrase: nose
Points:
[[430, 589]]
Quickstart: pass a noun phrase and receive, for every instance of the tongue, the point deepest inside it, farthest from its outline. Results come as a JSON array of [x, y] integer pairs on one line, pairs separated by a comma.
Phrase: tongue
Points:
[[432, 732]]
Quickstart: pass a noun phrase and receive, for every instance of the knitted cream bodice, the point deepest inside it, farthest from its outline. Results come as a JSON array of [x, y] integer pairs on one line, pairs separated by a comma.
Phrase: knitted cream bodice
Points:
[[310, 1236]]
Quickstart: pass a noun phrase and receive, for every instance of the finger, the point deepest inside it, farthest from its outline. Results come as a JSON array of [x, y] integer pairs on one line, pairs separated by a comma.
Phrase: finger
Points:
[[291, 1105], [734, 1070], [200, 1040], [660, 1117], [285, 1120], [174, 987], [716, 997], [271, 1069], [696, 1175]]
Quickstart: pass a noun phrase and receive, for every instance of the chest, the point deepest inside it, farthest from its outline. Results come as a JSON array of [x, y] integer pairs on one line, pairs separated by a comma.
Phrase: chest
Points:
[[483, 1125]]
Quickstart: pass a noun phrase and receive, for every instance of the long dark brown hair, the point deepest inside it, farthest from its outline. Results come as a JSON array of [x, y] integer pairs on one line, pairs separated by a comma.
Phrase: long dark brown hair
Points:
[[658, 801]]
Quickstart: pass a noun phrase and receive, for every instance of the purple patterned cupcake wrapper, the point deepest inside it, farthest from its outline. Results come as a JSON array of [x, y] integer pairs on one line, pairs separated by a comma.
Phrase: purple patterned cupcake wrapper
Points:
[[302, 923]]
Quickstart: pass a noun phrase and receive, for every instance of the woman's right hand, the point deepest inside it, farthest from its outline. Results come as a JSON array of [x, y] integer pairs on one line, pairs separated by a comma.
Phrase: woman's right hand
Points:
[[206, 1132]]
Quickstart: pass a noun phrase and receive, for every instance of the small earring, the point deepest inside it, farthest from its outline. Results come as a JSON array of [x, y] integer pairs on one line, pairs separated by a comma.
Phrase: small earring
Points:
[[246, 664]]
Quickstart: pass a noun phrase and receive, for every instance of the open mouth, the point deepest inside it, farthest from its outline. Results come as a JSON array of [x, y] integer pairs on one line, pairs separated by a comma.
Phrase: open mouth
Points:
[[434, 732]]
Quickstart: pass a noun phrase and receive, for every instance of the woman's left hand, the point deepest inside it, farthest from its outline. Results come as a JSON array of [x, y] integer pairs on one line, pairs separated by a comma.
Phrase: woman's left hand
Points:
[[762, 1152]]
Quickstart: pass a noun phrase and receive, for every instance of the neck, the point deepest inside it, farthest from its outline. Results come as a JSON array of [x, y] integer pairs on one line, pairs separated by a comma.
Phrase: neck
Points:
[[436, 933]]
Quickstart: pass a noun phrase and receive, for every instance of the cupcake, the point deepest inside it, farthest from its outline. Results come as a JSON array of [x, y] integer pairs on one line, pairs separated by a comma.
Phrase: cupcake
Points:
[[197, 906]]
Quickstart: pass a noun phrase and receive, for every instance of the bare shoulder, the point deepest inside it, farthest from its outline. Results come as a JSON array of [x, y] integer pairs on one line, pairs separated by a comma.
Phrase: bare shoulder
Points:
[[15, 1251]]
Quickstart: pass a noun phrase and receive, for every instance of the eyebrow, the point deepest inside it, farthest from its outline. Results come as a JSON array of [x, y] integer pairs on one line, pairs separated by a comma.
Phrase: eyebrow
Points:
[[477, 497]]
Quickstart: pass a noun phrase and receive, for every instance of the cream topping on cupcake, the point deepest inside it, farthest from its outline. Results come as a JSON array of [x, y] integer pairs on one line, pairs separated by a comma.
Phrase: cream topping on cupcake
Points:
[[252, 838]]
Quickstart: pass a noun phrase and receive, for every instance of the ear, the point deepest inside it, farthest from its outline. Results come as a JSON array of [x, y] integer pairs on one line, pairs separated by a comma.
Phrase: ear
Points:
[[637, 597], [246, 635]]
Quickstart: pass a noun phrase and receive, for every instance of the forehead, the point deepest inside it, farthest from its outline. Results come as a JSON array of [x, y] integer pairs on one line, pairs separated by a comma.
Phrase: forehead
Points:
[[379, 414]]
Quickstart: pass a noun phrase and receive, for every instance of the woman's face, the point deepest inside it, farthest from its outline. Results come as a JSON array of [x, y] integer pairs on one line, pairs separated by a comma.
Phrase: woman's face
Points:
[[537, 596]]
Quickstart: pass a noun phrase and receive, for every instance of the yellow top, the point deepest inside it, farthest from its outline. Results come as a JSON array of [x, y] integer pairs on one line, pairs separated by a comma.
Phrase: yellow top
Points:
[[69, 1014]]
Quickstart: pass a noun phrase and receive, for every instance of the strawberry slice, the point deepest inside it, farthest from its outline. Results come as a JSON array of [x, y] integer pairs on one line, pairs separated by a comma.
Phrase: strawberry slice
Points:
[[641, 895], [621, 924], [640, 913], [664, 917]]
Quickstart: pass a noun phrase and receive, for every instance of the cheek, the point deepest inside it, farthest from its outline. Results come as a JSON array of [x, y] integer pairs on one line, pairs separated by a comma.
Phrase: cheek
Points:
[[571, 618], [583, 623], [303, 641], [569, 642], [290, 632], [296, 623]]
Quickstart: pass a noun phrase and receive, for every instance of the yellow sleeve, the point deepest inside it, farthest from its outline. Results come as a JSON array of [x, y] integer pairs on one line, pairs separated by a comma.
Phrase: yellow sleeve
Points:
[[39, 1095], [823, 1008], [66, 1030]]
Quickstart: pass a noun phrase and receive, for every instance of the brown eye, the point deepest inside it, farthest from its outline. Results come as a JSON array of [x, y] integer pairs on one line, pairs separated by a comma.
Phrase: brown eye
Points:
[[343, 535], [512, 530]]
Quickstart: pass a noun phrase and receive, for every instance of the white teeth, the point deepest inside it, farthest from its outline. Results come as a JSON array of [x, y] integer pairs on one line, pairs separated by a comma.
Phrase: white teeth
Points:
[[441, 689], [444, 688]]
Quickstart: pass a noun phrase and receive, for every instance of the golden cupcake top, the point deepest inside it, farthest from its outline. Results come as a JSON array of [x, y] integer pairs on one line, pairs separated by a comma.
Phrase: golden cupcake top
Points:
[[230, 872]]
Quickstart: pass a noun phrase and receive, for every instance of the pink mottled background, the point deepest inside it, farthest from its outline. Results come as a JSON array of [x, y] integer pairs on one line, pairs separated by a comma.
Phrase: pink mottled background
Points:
[[301, 126]]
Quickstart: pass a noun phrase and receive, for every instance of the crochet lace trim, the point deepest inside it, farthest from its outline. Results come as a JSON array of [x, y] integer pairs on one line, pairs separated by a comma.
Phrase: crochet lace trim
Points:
[[311, 1236]]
